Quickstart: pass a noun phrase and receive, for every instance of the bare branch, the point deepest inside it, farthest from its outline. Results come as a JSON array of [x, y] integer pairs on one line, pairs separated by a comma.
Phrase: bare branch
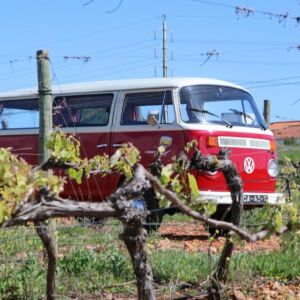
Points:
[[54, 207], [244, 234]]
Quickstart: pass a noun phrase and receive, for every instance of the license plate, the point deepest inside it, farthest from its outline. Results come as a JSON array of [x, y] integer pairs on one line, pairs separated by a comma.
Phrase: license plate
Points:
[[255, 199]]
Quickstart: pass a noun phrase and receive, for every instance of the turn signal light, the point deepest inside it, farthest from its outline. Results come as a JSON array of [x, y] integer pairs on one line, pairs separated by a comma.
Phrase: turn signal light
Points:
[[273, 146], [212, 141]]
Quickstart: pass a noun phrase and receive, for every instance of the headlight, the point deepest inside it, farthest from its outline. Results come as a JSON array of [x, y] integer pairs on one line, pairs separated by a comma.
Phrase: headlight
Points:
[[273, 168]]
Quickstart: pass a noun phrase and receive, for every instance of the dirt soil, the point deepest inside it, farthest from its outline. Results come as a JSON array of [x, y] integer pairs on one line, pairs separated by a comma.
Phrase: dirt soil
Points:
[[261, 290], [194, 238]]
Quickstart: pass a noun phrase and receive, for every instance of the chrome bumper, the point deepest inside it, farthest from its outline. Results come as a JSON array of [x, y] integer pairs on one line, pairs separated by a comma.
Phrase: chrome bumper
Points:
[[249, 198]]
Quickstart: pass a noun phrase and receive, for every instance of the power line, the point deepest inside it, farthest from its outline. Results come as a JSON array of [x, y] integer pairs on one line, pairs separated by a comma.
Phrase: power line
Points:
[[91, 34], [254, 62], [275, 84], [121, 47], [80, 75], [246, 11], [270, 80], [233, 42], [195, 56], [85, 58]]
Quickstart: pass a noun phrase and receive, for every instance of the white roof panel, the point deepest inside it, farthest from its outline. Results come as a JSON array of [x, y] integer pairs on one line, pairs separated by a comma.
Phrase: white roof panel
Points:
[[130, 84]]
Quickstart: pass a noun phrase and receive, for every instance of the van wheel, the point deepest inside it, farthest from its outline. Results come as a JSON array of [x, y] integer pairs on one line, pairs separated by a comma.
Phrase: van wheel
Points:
[[155, 218], [223, 213]]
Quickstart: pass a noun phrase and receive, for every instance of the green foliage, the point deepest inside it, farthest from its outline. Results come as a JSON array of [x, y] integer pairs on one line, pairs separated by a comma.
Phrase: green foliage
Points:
[[110, 261], [98, 164], [19, 182], [290, 141], [124, 159], [22, 281], [178, 177], [78, 261], [280, 265], [172, 265], [288, 213], [64, 148], [95, 258], [291, 152]]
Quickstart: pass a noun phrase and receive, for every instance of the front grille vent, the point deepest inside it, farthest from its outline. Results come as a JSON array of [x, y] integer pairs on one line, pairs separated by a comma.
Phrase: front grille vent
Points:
[[238, 142]]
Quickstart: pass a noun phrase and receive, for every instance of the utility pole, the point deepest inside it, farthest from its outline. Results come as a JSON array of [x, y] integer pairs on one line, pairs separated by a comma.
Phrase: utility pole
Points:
[[46, 124], [164, 48], [266, 113]]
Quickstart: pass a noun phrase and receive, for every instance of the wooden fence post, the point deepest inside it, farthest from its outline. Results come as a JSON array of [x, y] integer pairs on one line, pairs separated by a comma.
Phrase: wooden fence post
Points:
[[46, 124], [267, 104]]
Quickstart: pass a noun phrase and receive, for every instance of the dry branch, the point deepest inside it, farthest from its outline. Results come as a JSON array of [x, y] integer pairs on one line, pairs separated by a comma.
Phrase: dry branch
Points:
[[56, 207], [244, 234]]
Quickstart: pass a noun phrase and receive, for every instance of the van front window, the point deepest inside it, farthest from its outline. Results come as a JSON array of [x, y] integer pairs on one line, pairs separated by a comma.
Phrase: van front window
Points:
[[211, 104]]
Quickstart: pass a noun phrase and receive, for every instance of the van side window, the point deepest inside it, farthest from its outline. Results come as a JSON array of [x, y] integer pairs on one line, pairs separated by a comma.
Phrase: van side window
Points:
[[82, 110], [137, 106], [19, 114]]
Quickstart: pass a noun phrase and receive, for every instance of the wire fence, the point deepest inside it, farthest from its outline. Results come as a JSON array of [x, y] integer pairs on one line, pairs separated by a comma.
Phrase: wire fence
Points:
[[93, 261]]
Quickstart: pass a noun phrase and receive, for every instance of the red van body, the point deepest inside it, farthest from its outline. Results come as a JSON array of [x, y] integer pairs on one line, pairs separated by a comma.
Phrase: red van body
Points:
[[104, 115]]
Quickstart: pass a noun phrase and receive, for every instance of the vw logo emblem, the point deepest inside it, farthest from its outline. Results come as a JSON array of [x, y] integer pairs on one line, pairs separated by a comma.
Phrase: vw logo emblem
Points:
[[249, 165]]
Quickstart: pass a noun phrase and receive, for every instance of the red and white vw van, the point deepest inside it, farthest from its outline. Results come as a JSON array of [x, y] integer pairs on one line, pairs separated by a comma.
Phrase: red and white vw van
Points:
[[104, 115]]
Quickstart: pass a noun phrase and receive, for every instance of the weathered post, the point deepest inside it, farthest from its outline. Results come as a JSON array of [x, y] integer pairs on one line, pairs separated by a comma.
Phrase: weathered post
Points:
[[267, 104], [47, 235], [45, 102], [164, 49]]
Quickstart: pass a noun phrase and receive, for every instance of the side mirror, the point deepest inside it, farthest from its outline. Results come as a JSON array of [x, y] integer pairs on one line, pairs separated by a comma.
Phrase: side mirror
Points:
[[152, 117]]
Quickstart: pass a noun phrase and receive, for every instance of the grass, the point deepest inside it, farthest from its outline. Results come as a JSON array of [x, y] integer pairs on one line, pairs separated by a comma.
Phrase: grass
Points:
[[292, 152], [93, 258]]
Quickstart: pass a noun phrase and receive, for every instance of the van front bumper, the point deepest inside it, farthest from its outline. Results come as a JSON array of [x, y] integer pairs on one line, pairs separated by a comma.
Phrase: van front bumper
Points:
[[248, 198]]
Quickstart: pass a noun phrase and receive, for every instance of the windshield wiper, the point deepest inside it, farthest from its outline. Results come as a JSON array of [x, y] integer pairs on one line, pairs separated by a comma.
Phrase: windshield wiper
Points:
[[210, 113], [245, 115]]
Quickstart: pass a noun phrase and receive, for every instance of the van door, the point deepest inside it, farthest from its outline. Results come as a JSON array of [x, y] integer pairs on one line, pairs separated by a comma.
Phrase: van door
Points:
[[89, 117], [133, 110]]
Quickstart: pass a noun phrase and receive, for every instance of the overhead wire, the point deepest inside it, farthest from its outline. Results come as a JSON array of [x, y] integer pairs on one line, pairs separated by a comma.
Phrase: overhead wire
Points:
[[96, 71], [275, 85], [82, 147], [91, 34], [233, 42], [270, 80], [246, 11]]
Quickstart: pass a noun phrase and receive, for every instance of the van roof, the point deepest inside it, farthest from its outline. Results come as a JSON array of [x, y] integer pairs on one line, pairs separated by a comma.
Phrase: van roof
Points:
[[112, 85]]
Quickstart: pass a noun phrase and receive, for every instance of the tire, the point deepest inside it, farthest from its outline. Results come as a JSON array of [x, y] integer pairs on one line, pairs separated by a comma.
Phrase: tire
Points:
[[222, 214], [156, 215]]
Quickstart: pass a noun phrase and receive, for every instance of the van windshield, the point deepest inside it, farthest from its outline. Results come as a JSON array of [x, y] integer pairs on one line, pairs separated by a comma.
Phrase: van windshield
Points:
[[212, 104]]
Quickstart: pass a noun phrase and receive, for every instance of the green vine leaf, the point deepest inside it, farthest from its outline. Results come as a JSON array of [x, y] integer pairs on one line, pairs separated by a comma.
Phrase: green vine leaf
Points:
[[193, 186], [166, 173], [75, 175]]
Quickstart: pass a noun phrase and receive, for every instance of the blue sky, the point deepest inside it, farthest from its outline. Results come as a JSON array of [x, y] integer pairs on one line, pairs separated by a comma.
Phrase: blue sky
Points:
[[258, 52]]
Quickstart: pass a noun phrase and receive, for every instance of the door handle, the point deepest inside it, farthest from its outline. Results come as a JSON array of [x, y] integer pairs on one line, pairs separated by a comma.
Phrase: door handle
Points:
[[117, 145], [150, 152], [101, 146]]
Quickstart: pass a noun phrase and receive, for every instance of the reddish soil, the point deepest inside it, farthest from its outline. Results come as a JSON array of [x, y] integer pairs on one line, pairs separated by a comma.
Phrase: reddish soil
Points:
[[194, 238]]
